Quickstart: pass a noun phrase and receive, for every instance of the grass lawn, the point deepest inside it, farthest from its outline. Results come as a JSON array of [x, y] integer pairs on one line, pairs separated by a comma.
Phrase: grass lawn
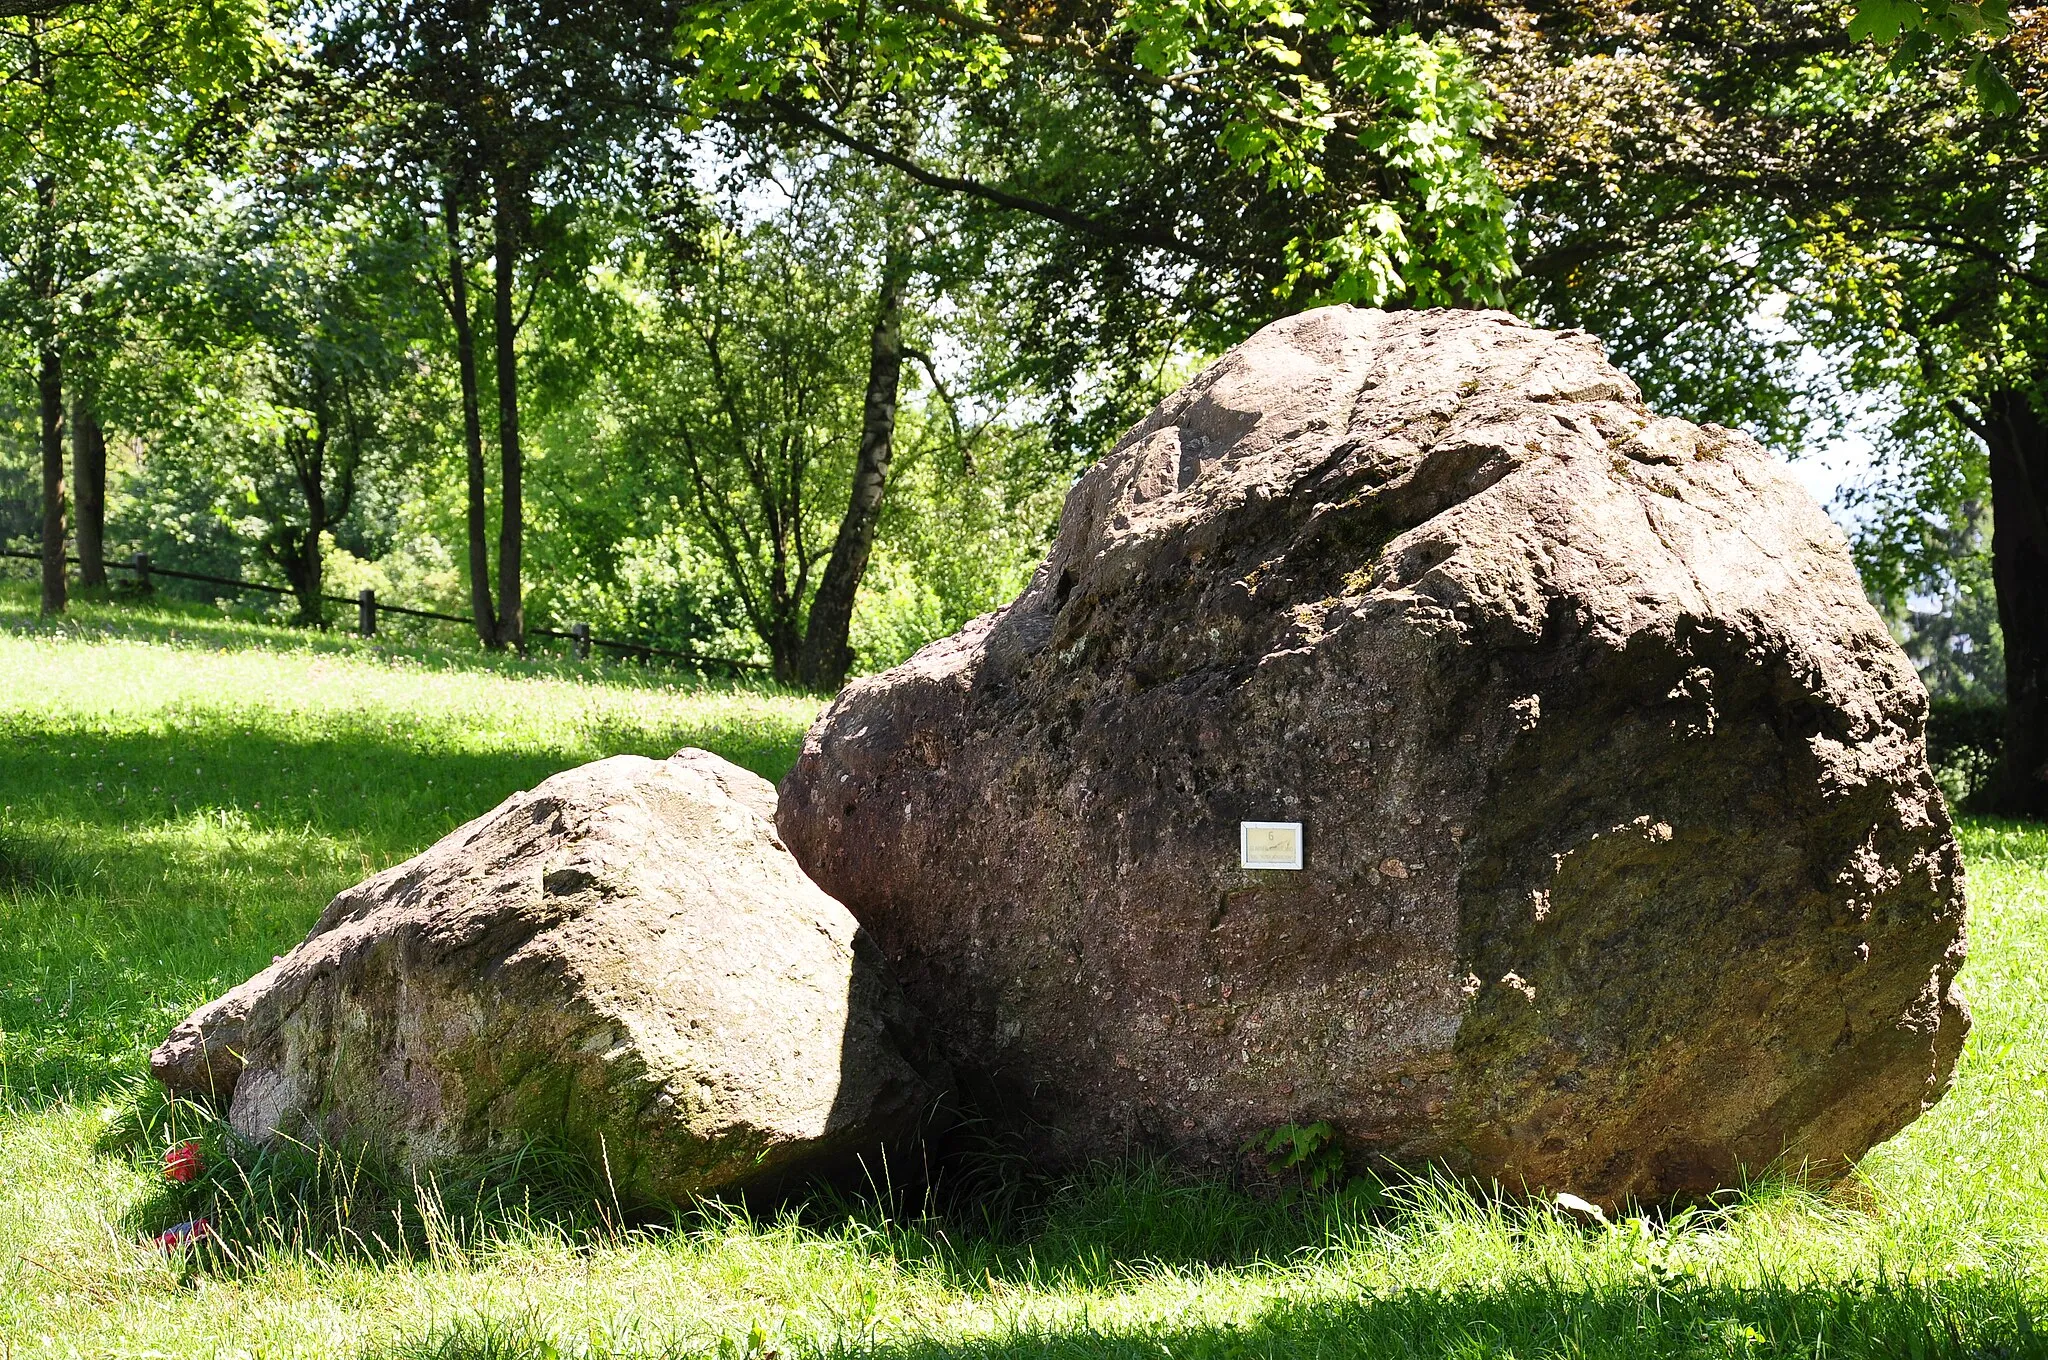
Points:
[[180, 794]]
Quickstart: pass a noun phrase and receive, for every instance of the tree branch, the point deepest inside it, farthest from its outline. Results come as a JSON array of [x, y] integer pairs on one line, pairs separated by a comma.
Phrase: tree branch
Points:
[[1564, 259], [1038, 42], [1930, 373], [960, 441], [1983, 253], [533, 284], [701, 485], [1963, 417], [988, 193]]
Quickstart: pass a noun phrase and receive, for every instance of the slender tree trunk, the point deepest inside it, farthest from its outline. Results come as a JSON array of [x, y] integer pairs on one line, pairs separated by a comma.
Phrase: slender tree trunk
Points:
[[472, 426], [509, 216], [311, 571], [784, 637], [2017, 438], [42, 280], [50, 388], [785, 648], [827, 650], [297, 555], [89, 487], [312, 575]]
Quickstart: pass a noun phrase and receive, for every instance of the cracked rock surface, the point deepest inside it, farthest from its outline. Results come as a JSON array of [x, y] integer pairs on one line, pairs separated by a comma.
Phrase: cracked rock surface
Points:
[[624, 960], [1624, 870]]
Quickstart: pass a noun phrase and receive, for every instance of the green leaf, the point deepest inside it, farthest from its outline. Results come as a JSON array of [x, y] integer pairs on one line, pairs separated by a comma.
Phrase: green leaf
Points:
[[1884, 20], [1993, 91], [1913, 49]]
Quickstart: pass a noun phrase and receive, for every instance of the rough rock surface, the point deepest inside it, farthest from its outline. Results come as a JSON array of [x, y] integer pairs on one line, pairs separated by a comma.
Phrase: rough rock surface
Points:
[[1624, 868], [625, 960]]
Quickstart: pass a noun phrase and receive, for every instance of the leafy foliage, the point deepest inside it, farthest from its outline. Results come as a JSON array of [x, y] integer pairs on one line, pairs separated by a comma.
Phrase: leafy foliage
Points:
[[1779, 227], [1378, 132], [1308, 1152], [755, 356]]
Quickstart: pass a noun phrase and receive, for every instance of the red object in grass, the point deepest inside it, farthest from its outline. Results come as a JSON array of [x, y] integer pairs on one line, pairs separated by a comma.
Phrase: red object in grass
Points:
[[186, 1233], [182, 1162]]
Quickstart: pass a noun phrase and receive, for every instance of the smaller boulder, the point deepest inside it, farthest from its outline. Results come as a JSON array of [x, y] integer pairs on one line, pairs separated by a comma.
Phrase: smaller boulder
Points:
[[625, 960]]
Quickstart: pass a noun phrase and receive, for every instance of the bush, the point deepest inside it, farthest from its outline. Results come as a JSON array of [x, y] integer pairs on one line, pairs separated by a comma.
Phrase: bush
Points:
[[1963, 742]]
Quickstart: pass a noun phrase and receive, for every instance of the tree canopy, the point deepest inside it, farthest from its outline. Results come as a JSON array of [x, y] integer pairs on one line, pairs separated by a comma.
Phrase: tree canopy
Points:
[[1780, 226], [774, 329], [445, 280]]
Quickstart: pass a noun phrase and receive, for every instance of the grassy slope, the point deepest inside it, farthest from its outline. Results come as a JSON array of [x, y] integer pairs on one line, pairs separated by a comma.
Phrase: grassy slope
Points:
[[179, 796]]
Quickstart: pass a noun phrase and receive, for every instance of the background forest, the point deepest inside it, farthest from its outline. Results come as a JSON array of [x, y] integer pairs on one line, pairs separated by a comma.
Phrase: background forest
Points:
[[775, 330]]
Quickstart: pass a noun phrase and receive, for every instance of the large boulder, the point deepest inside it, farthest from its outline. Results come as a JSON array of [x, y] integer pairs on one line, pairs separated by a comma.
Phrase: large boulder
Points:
[[1623, 868], [624, 960]]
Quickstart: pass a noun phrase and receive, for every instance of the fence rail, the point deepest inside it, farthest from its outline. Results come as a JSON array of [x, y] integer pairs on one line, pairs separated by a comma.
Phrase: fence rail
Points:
[[368, 606]]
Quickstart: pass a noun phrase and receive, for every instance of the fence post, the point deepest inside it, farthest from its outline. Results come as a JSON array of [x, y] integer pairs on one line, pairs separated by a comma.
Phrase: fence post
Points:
[[581, 633], [140, 565], [366, 612]]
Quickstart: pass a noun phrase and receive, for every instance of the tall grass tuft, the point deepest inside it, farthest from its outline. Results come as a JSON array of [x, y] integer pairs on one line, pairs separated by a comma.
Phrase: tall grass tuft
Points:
[[329, 1202]]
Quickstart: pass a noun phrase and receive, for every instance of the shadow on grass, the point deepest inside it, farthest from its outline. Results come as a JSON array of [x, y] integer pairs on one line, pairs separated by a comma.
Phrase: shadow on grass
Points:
[[1968, 1318], [1088, 1230], [1963, 1318], [353, 776]]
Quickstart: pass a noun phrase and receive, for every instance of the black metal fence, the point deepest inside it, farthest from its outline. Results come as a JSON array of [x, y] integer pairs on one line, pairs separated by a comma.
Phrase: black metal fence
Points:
[[368, 606]]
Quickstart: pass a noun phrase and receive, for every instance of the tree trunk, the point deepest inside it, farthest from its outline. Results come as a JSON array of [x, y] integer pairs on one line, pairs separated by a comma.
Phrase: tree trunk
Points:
[[312, 575], [308, 576], [827, 650], [2017, 438], [295, 550], [472, 426], [89, 488], [785, 650], [509, 213], [784, 608], [50, 388], [42, 280]]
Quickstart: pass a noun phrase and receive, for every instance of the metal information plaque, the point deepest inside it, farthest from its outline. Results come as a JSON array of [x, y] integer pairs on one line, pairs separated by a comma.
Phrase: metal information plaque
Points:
[[1269, 845]]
